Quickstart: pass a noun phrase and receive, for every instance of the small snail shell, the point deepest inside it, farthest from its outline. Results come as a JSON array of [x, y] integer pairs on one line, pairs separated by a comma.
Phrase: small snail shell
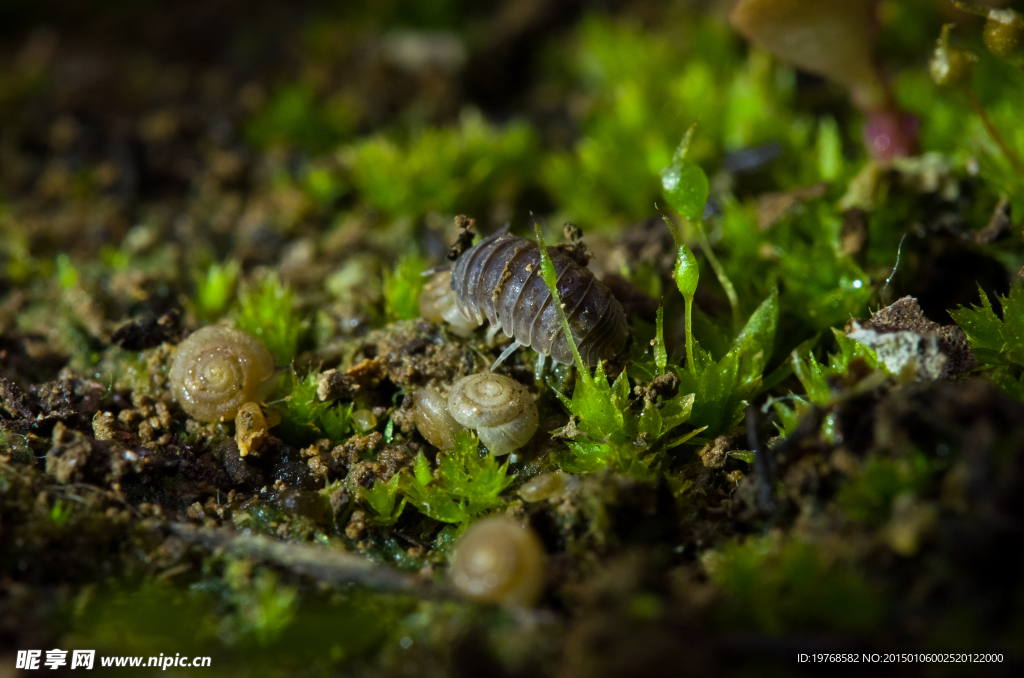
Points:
[[544, 486], [499, 561], [217, 370], [432, 419], [500, 409], [251, 429], [438, 303]]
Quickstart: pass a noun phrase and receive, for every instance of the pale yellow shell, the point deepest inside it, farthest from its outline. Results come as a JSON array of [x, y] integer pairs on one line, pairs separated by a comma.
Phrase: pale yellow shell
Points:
[[432, 419], [500, 409], [250, 429], [438, 304], [217, 370], [499, 561], [543, 486]]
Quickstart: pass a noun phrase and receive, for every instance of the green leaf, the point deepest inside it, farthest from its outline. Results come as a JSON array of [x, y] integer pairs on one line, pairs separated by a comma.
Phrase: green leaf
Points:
[[684, 184], [676, 411], [547, 269], [995, 341], [686, 272], [649, 425], [715, 405], [686, 189], [422, 469], [592, 402], [756, 340]]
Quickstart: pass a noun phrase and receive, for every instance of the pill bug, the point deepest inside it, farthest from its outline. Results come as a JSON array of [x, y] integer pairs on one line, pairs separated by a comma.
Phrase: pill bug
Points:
[[499, 279]]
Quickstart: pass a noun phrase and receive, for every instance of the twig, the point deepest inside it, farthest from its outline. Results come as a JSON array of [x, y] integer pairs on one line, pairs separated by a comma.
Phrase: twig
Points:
[[318, 562], [762, 463]]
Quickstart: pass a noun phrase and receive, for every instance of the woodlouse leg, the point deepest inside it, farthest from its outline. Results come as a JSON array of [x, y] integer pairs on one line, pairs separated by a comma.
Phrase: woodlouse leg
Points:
[[492, 333], [506, 353], [538, 370]]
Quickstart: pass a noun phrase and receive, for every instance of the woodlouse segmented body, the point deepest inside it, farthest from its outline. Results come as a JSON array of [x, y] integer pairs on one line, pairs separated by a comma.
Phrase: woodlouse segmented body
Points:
[[500, 279]]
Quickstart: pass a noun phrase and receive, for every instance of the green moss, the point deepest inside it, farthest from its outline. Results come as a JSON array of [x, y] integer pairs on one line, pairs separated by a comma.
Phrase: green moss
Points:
[[868, 497], [215, 289], [304, 417], [467, 482], [777, 586], [265, 309], [997, 342], [443, 169], [296, 116], [403, 286]]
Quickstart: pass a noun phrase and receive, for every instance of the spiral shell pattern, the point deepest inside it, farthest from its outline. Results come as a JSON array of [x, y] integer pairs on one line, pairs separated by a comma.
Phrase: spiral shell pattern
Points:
[[500, 279], [217, 370], [499, 561], [432, 419], [500, 409]]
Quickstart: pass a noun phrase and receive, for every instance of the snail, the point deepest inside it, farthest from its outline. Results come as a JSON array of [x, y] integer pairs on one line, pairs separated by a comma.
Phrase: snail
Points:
[[437, 304], [499, 279], [500, 409], [543, 486], [217, 370], [432, 419], [499, 561]]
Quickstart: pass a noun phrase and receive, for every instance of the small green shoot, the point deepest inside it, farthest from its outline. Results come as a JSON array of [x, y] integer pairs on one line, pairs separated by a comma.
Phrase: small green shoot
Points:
[[382, 499], [814, 376], [67, 274], [215, 290], [265, 310], [60, 513], [687, 274], [660, 354], [685, 186]]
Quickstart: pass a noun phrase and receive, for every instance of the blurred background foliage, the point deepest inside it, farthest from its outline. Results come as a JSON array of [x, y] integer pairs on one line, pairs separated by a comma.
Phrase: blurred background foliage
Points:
[[296, 166]]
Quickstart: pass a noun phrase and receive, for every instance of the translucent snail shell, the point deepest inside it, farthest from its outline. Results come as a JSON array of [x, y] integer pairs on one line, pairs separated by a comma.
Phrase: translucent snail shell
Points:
[[500, 409], [432, 419], [499, 561], [544, 486], [438, 303], [217, 370]]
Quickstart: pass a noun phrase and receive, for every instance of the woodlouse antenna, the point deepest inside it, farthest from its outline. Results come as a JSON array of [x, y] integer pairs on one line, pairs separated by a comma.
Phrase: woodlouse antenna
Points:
[[506, 353]]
